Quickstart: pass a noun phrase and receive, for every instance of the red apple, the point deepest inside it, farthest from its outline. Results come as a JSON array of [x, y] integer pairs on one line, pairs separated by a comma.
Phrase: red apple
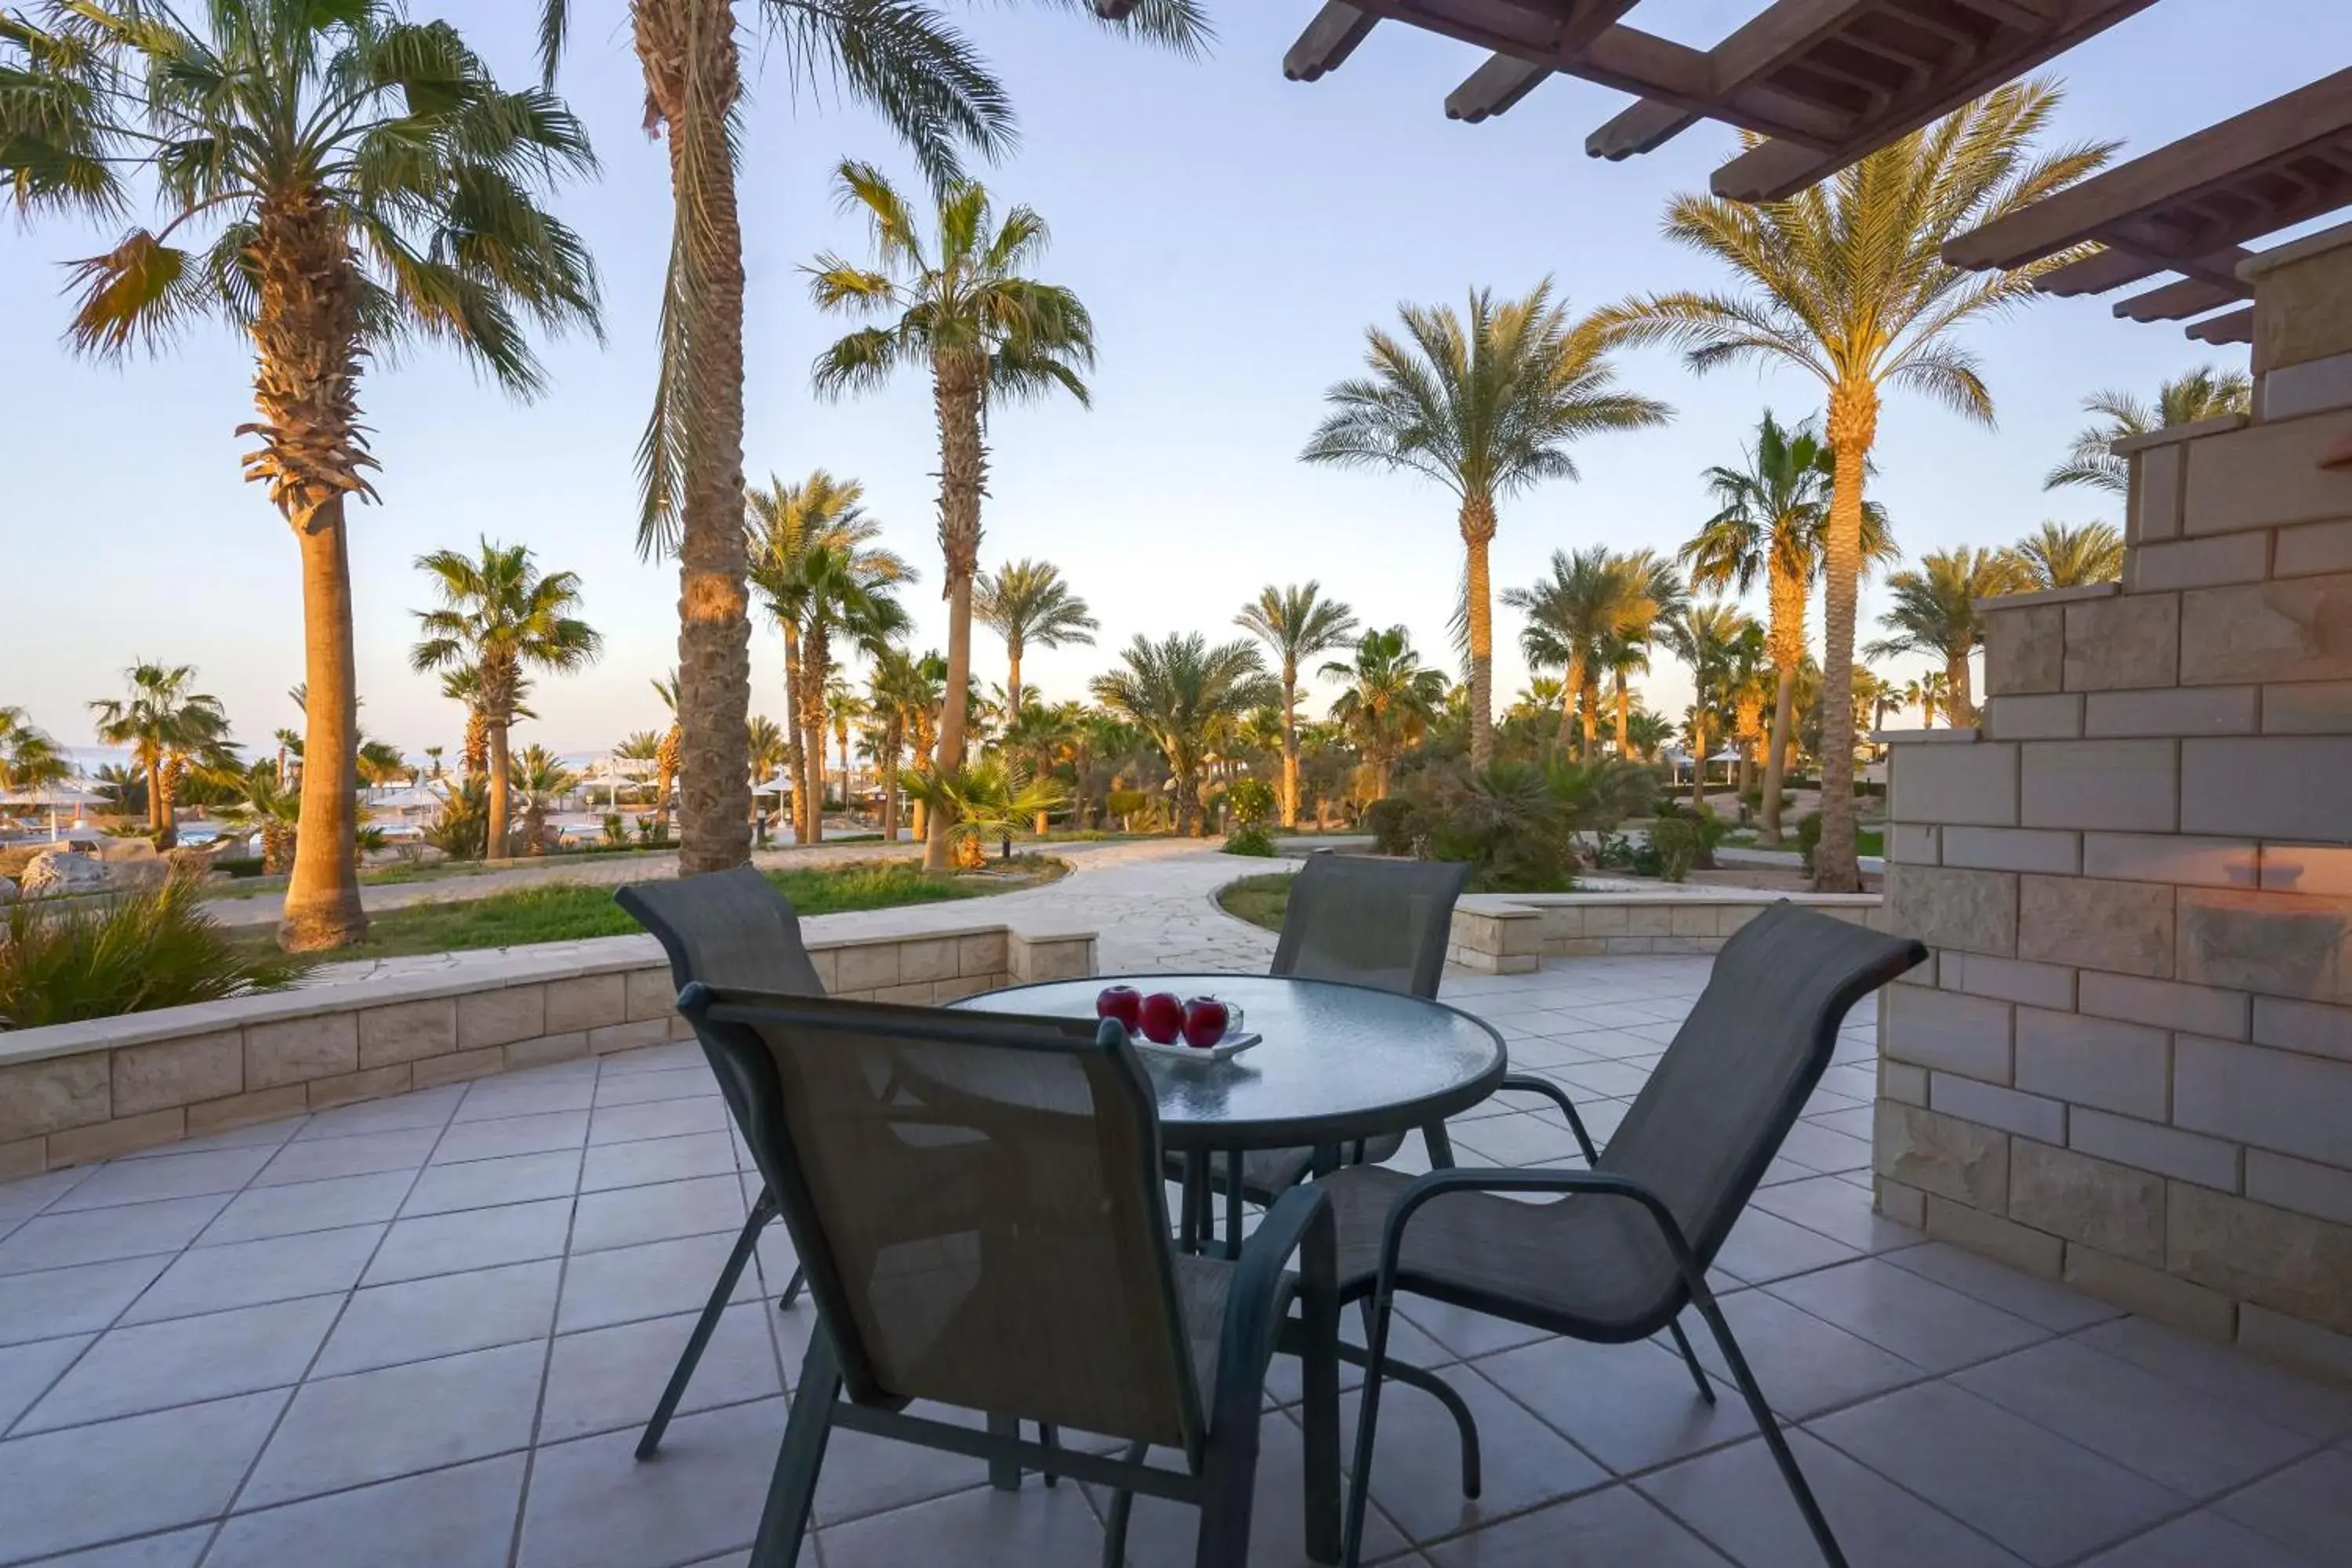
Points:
[[1205, 1020], [1124, 1002], [1162, 1018]]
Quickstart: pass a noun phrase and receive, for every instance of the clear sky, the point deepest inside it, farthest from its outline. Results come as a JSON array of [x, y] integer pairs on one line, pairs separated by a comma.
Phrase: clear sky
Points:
[[1233, 233]]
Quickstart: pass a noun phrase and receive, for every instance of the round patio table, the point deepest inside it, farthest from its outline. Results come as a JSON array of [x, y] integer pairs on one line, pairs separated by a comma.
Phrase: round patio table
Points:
[[1338, 1064]]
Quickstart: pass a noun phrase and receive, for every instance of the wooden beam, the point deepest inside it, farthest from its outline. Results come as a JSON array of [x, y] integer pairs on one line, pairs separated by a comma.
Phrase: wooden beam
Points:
[[1778, 170], [2237, 327], [2115, 266], [2274, 130], [1327, 41], [1778, 34], [2179, 300], [1504, 79]]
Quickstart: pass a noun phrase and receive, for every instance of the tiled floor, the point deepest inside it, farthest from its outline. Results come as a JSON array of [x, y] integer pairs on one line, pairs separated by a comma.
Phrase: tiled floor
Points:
[[424, 1331]]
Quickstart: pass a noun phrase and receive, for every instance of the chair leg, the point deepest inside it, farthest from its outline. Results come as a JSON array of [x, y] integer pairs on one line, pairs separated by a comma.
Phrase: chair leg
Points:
[[1052, 1439], [783, 1521], [1228, 1493], [1690, 1360], [1360, 1484], [1122, 1504], [1765, 1423], [761, 1213], [1004, 1475], [793, 1290], [1437, 1388]]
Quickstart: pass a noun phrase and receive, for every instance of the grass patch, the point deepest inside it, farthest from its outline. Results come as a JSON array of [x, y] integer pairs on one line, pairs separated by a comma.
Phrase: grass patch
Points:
[[569, 912], [1261, 901]]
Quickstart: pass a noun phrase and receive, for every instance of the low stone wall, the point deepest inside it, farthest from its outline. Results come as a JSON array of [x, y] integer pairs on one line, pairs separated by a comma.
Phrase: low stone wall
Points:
[[1512, 933], [77, 1092]]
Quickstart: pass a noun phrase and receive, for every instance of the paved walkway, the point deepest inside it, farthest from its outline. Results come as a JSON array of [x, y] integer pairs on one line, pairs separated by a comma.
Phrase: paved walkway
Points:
[[422, 1332]]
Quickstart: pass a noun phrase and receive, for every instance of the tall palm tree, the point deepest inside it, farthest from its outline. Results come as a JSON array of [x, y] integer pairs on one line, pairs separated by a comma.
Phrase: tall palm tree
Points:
[[335, 182], [1930, 693], [897, 690], [1772, 520], [1707, 639], [499, 613], [2058, 556], [171, 729], [1295, 623], [668, 753], [1934, 613], [764, 743], [2202, 394], [1027, 604], [966, 310], [1486, 407], [1591, 596], [1387, 699], [823, 578], [541, 781], [1183, 693], [903, 60], [1846, 281]]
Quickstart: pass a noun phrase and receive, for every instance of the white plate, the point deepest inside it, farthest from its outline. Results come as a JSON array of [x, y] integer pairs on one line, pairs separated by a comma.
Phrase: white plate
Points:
[[1231, 1046]]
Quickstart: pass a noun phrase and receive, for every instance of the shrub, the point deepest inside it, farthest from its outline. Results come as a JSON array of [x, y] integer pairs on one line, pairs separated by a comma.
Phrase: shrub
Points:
[[1809, 838], [461, 828], [1252, 801], [1249, 840], [239, 865], [125, 954], [616, 831], [1677, 841], [1390, 824]]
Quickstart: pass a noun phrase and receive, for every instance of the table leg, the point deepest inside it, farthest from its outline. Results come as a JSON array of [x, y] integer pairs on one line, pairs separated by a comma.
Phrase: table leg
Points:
[[1439, 1145], [1195, 1200], [1233, 1202]]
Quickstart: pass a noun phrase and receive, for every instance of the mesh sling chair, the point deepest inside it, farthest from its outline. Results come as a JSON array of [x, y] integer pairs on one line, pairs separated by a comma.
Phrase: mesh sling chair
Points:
[[1023, 1268], [1367, 921], [727, 929], [1627, 1245]]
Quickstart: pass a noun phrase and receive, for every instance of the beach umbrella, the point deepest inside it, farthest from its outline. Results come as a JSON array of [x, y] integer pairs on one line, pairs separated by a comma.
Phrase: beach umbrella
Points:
[[53, 796]]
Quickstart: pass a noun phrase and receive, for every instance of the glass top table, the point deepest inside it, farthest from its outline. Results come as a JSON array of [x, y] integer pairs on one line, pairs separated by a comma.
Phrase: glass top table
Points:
[[1338, 1063]]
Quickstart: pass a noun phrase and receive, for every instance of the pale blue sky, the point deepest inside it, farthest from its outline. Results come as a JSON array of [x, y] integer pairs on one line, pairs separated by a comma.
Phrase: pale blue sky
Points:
[[1234, 234]]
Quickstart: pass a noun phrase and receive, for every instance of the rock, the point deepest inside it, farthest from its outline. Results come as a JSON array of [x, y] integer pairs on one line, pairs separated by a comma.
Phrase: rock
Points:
[[117, 851], [7, 891], [58, 871]]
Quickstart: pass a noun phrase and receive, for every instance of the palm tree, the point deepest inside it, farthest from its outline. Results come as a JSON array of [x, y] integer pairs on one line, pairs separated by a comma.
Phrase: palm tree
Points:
[[1046, 736], [352, 183], [1773, 516], [1748, 686], [966, 311], [1294, 623], [1707, 639], [1591, 597], [1847, 282], [668, 751], [822, 577], [1026, 603], [2202, 394], [1486, 408], [30, 758], [1183, 693], [903, 60], [897, 691], [541, 781], [1387, 699], [170, 730], [2057, 556], [498, 613], [1934, 613], [1931, 693]]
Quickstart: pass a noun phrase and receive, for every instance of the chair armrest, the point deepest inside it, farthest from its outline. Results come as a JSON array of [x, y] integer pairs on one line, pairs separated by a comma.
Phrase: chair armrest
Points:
[[1531, 1084], [1597, 1184], [1259, 1301]]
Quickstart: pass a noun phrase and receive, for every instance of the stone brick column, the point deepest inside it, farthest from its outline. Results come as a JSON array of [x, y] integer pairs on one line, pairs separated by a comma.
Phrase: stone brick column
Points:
[[2128, 1064]]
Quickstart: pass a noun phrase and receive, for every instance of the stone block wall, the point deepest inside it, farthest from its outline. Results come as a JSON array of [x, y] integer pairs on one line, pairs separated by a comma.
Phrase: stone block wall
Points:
[[1512, 933], [77, 1092], [2128, 1063]]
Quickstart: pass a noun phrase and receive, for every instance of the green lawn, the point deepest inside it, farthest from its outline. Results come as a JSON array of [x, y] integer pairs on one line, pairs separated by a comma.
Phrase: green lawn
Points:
[[564, 912], [1261, 901]]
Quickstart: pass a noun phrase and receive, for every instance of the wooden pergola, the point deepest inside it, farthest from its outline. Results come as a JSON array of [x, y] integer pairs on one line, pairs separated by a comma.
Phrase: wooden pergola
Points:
[[2189, 210], [1824, 81]]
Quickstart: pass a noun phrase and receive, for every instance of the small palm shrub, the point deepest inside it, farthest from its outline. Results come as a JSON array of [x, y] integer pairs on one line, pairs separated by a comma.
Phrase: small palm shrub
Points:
[[1253, 839], [1515, 824], [1683, 841], [1809, 838], [1252, 801], [461, 828], [126, 954]]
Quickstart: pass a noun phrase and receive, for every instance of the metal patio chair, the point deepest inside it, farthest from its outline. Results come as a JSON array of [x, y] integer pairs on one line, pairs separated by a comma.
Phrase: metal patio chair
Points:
[[725, 929], [1018, 1266], [1628, 1244]]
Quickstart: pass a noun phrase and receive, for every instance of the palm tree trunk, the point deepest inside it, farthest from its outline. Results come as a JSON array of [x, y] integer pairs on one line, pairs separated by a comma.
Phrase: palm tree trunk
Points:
[[1625, 718], [1698, 761], [1587, 702], [887, 764], [693, 77], [1289, 745], [815, 666], [158, 809], [794, 770], [1012, 680], [322, 897], [1477, 533], [1571, 688], [1853, 426], [963, 470], [1962, 709], [494, 845], [1787, 644]]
